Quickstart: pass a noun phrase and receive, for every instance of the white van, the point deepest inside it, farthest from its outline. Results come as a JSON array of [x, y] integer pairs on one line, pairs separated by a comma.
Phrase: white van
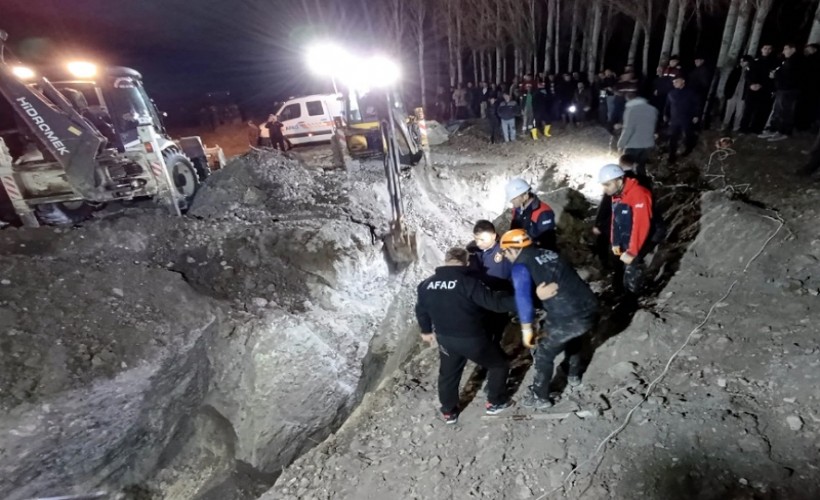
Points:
[[310, 119]]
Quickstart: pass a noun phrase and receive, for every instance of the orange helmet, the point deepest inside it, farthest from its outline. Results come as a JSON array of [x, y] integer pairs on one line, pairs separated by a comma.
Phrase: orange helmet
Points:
[[515, 238]]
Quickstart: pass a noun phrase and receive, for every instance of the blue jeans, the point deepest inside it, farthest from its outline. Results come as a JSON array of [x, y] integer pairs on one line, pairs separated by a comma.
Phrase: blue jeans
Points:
[[508, 129]]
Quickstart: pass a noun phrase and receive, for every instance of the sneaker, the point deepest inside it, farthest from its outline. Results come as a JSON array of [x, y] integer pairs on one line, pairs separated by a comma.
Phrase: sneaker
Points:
[[574, 380], [766, 134], [531, 400], [496, 409], [778, 137], [450, 418]]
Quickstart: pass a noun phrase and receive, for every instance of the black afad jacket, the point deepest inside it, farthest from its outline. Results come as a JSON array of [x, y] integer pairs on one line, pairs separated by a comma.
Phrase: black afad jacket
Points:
[[453, 303]]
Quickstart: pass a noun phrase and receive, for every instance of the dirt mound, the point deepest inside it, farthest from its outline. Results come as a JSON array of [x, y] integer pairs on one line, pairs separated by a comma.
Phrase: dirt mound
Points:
[[256, 180]]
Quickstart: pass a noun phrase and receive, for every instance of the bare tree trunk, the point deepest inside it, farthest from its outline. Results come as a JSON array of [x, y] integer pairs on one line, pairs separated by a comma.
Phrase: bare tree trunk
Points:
[[420, 40], [557, 36], [633, 45], [498, 74], [397, 25], [739, 38], [573, 39], [533, 39], [814, 36], [763, 8], [483, 66], [516, 61], [728, 32], [587, 30], [592, 60], [647, 40], [679, 26], [548, 50], [459, 50], [505, 76], [475, 66], [451, 43], [671, 17], [605, 23]]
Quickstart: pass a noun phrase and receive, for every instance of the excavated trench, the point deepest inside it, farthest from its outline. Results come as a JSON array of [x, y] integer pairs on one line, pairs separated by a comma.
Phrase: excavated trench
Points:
[[197, 358]]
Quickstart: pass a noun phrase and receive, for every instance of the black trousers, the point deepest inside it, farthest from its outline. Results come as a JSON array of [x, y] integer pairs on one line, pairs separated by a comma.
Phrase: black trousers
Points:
[[758, 108], [279, 143], [641, 156], [630, 279], [554, 343], [676, 130], [785, 108], [454, 352]]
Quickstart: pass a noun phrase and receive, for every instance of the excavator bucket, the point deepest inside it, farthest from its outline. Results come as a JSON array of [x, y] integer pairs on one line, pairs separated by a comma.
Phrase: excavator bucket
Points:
[[401, 245]]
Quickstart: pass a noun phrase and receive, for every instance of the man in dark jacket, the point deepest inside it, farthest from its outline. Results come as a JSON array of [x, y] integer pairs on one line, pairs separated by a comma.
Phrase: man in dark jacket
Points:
[[454, 305], [786, 93], [735, 92], [682, 113], [761, 88], [490, 266], [507, 110], [542, 107], [700, 78], [571, 308], [493, 121], [531, 214]]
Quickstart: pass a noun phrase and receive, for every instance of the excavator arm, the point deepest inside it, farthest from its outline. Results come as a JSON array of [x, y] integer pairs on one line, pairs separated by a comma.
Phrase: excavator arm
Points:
[[59, 129]]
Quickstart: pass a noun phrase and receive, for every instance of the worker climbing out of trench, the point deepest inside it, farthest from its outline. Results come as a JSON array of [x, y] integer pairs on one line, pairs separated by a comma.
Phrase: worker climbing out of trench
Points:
[[571, 312]]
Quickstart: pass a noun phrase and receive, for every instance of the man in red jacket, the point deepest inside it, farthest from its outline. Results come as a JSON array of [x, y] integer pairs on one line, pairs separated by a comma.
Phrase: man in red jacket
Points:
[[631, 225]]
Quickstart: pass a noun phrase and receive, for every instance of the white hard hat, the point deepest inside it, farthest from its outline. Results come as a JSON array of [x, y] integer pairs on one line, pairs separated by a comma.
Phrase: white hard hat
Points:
[[517, 187], [610, 172]]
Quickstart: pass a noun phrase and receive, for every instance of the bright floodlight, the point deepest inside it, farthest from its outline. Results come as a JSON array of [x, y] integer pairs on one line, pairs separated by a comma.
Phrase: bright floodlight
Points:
[[382, 72], [82, 69], [573, 109], [327, 59], [23, 72]]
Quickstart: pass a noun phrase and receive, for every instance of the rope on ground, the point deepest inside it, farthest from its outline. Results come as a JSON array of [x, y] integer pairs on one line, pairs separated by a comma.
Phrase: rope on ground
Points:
[[599, 449], [722, 154]]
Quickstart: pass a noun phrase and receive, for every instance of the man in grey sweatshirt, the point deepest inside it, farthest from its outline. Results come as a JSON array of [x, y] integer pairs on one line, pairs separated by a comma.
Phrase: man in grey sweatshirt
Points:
[[638, 132]]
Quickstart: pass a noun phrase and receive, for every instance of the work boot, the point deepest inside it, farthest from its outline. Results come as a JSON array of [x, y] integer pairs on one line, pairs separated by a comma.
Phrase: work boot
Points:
[[547, 129], [535, 402], [574, 380], [534, 133]]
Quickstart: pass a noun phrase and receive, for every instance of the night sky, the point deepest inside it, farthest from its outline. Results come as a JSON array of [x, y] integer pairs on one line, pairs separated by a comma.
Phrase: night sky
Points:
[[254, 48], [185, 48]]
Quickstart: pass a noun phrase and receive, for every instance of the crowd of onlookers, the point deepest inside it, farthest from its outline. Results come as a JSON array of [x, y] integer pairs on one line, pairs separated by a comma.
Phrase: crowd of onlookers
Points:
[[769, 95]]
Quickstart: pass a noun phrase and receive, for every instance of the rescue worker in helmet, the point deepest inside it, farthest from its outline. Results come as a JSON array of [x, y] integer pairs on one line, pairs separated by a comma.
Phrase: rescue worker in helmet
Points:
[[532, 215], [570, 304], [631, 227]]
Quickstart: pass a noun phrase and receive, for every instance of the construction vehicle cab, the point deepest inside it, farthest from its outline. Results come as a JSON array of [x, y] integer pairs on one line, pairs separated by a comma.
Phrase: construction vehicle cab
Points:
[[365, 113], [90, 134]]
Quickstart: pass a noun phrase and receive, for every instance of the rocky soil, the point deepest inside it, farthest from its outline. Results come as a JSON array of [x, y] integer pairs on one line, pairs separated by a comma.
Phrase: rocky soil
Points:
[[735, 416], [197, 358]]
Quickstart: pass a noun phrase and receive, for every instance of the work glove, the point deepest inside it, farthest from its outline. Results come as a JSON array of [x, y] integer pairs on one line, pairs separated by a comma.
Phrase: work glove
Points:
[[617, 251], [528, 335]]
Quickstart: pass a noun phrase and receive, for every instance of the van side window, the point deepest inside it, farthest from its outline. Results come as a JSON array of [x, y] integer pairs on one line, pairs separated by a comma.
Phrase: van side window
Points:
[[314, 108], [291, 112]]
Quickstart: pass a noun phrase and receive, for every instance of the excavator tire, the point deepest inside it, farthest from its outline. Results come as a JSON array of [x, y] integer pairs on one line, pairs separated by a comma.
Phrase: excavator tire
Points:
[[203, 170], [184, 174]]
